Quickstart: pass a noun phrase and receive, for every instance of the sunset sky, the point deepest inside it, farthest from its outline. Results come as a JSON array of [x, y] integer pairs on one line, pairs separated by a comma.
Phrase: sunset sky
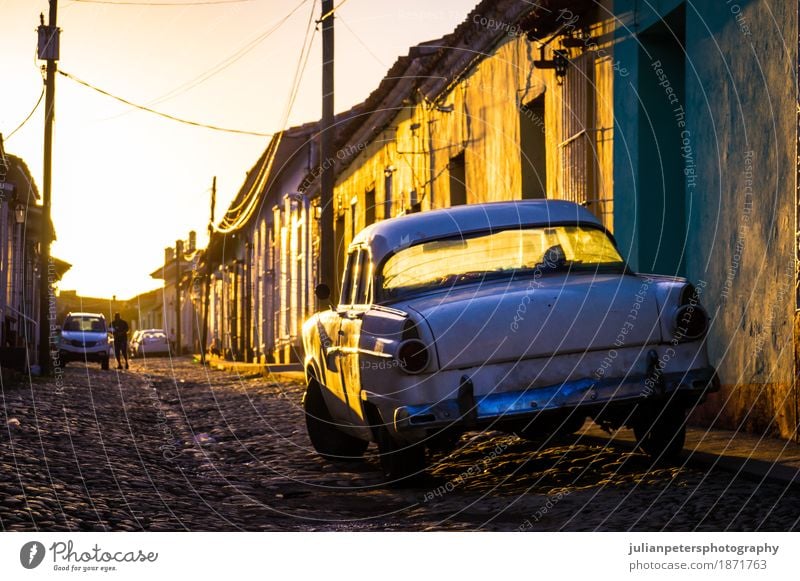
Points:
[[127, 183]]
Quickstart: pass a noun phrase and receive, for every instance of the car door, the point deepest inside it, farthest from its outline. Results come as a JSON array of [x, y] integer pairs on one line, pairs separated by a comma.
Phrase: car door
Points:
[[350, 335], [329, 329]]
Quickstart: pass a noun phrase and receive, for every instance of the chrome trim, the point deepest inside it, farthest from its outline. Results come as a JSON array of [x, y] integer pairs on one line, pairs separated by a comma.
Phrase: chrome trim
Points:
[[572, 394]]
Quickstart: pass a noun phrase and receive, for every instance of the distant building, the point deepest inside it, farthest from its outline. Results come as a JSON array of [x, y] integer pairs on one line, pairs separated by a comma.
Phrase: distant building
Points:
[[178, 299]]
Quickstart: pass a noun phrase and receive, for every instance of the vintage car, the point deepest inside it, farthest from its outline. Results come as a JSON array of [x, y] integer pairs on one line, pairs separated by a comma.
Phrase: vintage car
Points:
[[518, 316]]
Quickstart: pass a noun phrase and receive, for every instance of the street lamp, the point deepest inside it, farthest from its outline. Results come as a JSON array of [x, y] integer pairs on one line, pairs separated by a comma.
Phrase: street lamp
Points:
[[19, 214]]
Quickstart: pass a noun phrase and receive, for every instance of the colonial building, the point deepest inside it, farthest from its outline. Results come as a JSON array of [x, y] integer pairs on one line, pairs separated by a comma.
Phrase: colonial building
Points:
[[21, 281], [674, 122], [262, 256], [175, 307]]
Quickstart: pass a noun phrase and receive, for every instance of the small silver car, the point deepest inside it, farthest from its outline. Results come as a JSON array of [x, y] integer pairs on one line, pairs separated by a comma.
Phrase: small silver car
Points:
[[519, 316]]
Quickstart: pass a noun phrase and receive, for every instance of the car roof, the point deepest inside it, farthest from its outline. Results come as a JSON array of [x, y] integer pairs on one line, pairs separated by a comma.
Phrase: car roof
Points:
[[387, 236], [86, 315]]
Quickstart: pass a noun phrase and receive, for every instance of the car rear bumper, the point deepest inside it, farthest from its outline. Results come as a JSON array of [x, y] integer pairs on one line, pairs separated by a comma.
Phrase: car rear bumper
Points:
[[468, 410]]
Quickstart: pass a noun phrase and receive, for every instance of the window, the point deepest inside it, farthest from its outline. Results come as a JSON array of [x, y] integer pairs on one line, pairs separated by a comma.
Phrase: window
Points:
[[532, 149], [353, 218], [362, 288], [348, 278], [369, 207], [387, 193], [458, 180], [503, 255], [85, 325]]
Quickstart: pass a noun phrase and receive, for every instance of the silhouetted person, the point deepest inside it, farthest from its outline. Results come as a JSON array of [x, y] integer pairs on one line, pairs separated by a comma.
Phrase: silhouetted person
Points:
[[120, 330]]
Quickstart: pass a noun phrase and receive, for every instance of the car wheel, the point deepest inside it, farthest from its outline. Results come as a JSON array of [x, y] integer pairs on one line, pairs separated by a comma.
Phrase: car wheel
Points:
[[661, 433], [329, 441], [104, 364], [399, 461]]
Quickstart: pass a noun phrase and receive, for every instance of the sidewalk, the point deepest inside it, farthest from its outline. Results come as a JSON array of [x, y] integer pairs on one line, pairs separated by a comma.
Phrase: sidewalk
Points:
[[739, 452], [289, 371]]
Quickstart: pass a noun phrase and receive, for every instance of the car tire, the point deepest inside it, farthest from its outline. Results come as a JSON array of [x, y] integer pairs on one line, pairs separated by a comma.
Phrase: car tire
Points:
[[661, 433], [399, 461], [104, 364], [329, 441]]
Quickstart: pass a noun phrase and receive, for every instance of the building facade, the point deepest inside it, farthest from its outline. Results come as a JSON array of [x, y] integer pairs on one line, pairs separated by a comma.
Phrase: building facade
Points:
[[21, 282], [674, 122]]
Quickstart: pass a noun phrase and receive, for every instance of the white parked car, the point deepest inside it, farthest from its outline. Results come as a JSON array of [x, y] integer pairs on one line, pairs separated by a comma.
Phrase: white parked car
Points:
[[84, 337], [518, 316], [149, 342]]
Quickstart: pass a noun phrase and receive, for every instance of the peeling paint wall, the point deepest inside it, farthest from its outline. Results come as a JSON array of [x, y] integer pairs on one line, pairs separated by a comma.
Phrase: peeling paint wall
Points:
[[738, 160], [479, 117]]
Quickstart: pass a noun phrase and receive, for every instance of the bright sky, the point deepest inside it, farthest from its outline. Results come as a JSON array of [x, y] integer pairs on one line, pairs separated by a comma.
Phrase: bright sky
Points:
[[127, 183]]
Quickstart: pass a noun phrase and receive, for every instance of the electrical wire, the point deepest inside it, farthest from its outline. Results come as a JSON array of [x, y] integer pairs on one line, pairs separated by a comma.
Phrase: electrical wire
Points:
[[35, 107], [125, 3], [226, 62], [159, 113], [331, 12], [251, 198], [361, 42]]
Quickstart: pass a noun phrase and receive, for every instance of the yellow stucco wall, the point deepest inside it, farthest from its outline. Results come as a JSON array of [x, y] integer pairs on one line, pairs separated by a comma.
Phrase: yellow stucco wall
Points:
[[484, 123]]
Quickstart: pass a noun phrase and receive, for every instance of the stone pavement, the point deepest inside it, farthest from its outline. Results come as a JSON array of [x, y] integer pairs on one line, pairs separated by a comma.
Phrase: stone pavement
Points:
[[171, 445], [739, 452]]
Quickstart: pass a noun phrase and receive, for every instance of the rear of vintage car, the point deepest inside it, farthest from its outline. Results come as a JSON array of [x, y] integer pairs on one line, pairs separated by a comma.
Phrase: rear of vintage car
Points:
[[536, 348]]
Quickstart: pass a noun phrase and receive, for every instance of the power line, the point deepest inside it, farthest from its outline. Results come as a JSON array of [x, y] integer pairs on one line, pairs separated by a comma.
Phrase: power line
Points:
[[35, 107], [331, 11], [228, 61], [201, 3], [161, 114], [361, 42], [250, 199]]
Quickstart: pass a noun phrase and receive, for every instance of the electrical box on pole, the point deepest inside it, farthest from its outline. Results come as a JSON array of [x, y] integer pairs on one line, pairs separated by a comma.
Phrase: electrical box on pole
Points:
[[49, 41]]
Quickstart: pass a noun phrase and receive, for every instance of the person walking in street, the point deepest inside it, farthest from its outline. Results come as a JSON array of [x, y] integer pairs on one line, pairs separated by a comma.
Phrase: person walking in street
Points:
[[120, 330]]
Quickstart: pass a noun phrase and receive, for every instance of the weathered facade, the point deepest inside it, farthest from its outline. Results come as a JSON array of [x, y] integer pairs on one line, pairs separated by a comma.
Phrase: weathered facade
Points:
[[21, 283], [705, 182], [262, 254], [176, 308], [674, 123]]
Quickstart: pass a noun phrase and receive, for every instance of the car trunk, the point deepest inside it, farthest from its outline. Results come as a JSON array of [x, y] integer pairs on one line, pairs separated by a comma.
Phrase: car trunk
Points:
[[538, 317]]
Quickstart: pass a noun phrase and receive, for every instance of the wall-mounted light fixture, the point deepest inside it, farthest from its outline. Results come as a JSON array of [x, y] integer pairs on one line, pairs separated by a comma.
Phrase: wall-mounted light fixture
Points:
[[559, 62], [19, 213]]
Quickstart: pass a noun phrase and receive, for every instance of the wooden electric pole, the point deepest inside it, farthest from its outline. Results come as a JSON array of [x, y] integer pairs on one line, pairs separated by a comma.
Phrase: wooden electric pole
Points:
[[207, 298], [327, 249], [178, 274], [47, 50]]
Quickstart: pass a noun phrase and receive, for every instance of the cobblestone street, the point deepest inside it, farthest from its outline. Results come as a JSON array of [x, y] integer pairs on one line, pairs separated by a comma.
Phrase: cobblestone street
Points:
[[170, 445]]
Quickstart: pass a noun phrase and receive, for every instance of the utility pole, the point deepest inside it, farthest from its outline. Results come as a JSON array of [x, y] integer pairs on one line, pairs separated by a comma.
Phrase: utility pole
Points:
[[327, 250], [48, 49], [178, 259], [207, 298]]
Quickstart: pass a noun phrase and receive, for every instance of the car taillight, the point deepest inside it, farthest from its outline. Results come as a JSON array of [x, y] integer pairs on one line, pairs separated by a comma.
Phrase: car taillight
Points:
[[413, 356], [691, 322]]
